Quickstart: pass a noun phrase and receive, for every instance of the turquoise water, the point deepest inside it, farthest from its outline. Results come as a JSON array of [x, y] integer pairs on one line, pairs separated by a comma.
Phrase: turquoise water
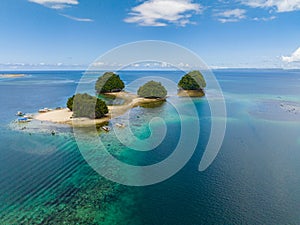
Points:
[[255, 178]]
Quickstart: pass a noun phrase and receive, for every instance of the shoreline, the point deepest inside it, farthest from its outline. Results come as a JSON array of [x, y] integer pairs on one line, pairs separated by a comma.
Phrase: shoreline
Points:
[[64, 116], [191, 93]]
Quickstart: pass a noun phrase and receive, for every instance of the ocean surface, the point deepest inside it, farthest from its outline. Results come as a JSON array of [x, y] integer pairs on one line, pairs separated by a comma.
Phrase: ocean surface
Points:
[[255, 178]]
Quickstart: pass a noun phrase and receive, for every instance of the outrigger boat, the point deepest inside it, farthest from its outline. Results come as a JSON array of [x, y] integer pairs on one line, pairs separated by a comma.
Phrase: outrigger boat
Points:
[[44, 110], [24, 120], [120, 125], [19, 113], [106, 128], [28, 116]]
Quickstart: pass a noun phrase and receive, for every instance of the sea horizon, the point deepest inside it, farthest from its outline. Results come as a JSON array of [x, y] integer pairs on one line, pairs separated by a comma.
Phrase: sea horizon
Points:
[[145, 70]]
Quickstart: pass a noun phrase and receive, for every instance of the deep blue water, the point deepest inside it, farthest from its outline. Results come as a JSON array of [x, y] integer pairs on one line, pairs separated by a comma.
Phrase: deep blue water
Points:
[[255, 178]]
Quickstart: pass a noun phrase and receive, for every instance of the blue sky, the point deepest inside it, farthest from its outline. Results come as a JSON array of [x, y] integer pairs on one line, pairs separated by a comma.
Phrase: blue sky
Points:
[[56, 34]]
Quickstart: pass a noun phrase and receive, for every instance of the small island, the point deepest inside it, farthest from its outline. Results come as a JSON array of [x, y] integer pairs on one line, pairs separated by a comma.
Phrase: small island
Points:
[[153, 90], [11, 75], [87, 110], [109, 82], [192, 85]]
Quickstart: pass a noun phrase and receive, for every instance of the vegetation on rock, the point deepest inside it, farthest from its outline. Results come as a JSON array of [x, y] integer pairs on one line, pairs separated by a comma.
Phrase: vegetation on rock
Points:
[[193, 80], [152, 89], [109, 82]]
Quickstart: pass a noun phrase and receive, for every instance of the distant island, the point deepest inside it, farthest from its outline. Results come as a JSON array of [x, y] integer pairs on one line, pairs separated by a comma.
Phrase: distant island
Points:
[[192, 84], [11, 75], [85, 110]]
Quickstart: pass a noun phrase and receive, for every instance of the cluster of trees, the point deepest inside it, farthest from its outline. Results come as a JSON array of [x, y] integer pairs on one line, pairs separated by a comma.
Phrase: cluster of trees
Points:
[[85, 105], [109, 82], [193, 80], [152, 89]]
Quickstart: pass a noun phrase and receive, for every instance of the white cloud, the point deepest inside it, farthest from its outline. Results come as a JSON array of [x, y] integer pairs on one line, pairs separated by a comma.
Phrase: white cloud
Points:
[[264, 18], [295, 57], [56, 4], [279, 5], [40, 66], [77, 18], [163, 12], [61, 4], [233, 15]]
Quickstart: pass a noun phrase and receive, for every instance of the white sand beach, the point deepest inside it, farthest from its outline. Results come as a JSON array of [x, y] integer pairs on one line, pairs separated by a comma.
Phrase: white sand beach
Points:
[[56, 116]]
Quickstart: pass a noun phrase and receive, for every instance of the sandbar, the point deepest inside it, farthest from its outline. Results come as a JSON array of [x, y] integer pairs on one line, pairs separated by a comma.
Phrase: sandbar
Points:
[[65, 116], [11, 75]]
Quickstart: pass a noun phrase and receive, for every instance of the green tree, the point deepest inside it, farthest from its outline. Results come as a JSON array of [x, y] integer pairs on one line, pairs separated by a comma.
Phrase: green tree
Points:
[[152, 89], [84, 105], [70, 103], [193, 80], [109, 82]]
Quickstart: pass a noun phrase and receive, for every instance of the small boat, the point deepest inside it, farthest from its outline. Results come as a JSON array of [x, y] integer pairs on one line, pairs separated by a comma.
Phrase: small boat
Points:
[[106, 128], [120, 125], [19, 113], [44, 110], [28, 116], [24, 120]]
